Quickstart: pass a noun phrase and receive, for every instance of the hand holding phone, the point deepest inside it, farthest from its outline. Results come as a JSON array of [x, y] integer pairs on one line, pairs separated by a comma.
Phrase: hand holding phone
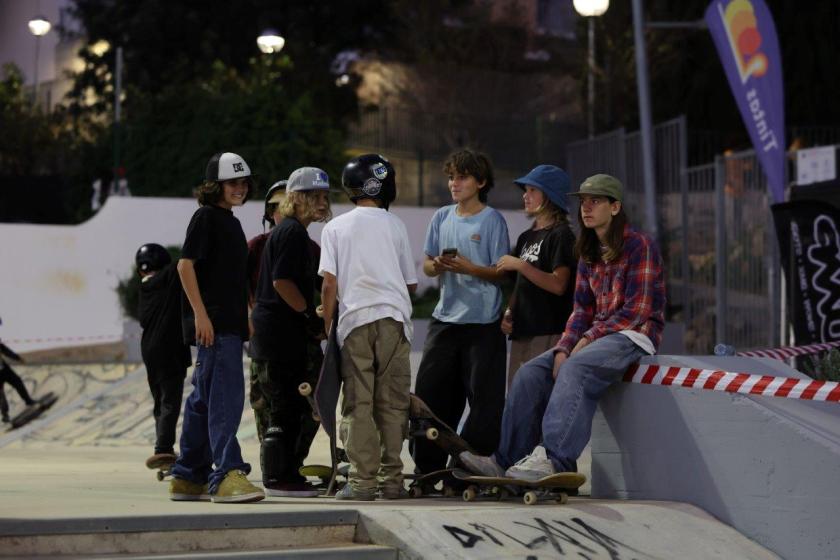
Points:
[[451, 253]]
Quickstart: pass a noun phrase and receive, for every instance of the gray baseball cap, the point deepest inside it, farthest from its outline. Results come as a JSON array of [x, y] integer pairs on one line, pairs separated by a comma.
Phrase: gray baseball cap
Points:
[[601, 185], [308, 179]]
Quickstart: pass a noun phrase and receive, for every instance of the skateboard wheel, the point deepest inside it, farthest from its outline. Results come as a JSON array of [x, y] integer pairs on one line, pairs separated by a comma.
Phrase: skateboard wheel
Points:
[[305, 389], [160, 476], [530, 498], [562, 498], [469, 494], [416, 492], [432, 433]]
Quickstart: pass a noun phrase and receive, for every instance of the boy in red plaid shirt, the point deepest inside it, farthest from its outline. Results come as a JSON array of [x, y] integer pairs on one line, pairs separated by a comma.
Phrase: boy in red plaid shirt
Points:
[[618, 317]]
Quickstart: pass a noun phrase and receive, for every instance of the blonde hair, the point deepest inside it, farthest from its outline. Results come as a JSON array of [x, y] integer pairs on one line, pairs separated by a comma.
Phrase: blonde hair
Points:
[[305, 201], [558, 216]]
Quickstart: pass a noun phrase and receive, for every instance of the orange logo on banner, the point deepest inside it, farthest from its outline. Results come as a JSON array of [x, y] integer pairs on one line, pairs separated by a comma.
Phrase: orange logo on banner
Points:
[[744, 38]]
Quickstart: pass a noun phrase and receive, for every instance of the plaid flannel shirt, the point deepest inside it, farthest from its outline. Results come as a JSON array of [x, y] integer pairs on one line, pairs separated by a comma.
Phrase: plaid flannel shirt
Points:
[[627, 294]]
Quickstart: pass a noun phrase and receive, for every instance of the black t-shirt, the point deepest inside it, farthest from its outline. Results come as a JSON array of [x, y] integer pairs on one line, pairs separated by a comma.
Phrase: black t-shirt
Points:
[[537, 312], [216, 243], [162, 344], [279, 330]]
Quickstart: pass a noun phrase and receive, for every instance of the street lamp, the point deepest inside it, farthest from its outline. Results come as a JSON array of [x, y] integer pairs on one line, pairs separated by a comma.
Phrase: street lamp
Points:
[[270, 41], [591, 9], [38, 26]]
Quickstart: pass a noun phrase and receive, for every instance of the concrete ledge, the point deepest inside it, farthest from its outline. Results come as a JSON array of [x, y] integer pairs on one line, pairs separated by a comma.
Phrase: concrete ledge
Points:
[[198, 522], [766, 466]]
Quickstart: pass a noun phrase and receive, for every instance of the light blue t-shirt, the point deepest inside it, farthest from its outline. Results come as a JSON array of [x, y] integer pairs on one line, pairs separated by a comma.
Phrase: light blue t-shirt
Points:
[[483, 239]]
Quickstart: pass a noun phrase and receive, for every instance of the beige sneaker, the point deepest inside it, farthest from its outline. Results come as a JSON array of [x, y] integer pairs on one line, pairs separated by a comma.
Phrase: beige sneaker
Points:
[[235, 488], [181, 490]]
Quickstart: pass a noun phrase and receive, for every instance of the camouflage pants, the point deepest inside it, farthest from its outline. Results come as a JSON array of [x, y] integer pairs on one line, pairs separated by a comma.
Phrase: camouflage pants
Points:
[[276, 401]]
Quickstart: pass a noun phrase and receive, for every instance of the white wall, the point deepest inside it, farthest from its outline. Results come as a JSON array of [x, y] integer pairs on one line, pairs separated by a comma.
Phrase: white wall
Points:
[[57, 283]]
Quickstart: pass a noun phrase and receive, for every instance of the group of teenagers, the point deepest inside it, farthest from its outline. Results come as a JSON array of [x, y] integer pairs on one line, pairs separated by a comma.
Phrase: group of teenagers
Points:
[[582, 310]]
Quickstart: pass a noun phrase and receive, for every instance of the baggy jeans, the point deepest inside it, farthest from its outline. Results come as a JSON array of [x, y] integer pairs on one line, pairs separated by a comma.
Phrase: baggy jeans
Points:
[[212, 414], [559, 413]]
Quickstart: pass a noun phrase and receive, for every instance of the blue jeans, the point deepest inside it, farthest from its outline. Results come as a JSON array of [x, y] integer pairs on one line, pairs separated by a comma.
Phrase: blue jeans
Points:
[[559, 413], [212, 414]]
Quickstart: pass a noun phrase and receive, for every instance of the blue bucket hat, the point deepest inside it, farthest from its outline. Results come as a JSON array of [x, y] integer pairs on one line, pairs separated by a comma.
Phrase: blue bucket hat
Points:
[[552, 181]]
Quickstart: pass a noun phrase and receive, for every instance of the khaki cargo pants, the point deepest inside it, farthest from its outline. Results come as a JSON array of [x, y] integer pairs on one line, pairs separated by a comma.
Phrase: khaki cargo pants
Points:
[[377, 379]]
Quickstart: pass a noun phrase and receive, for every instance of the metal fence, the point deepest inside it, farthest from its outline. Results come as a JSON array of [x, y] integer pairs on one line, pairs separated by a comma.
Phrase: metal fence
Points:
[[716, 233]]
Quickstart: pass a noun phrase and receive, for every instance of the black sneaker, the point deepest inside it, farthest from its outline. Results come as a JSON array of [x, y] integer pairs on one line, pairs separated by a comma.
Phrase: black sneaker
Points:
[[290, 490]]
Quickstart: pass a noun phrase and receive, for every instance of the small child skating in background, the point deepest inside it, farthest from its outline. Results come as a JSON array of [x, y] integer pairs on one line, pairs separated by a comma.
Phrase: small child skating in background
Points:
[[164, 352], [8, 375], [367, 265]]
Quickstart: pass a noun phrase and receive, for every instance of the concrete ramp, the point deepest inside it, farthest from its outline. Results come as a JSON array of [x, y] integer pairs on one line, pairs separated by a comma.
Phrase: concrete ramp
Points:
[[769, 467]]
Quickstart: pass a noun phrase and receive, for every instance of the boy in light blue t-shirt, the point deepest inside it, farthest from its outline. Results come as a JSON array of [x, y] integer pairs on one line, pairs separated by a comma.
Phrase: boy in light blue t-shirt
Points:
[[465, 352]]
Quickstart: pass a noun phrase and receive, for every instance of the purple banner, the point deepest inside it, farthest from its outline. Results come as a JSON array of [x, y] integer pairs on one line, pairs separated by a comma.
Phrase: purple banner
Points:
[[745, 37]]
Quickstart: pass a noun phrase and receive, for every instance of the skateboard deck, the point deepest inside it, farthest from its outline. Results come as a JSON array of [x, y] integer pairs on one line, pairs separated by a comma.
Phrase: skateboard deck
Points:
[[424, 424], [163, 463], [556, 486], [33, 411], [326, 395], [424, 484], [324, 473]]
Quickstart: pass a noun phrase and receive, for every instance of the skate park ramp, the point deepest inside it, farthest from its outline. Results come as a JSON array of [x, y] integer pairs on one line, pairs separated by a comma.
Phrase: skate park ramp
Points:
[[767, 466], [85, 491]]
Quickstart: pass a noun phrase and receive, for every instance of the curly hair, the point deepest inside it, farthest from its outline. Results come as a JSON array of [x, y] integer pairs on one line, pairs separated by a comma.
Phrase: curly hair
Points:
[[474, 163], [305, 200]]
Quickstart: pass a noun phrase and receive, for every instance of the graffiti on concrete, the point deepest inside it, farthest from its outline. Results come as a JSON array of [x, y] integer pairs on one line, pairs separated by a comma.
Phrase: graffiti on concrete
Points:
[[574, 538]]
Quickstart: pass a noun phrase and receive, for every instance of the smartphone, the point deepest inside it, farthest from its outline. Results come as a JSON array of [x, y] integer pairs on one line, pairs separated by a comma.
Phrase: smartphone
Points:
[[452, 252]]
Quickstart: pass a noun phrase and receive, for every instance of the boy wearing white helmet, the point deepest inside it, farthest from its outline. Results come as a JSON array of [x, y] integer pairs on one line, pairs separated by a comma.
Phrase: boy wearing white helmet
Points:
[[215, 318], [285, 323]]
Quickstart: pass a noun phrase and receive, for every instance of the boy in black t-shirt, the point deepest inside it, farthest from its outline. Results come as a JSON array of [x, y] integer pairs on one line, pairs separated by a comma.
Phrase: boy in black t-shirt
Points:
[[544, 265], [213, 271], [284, 321], [164, 352]]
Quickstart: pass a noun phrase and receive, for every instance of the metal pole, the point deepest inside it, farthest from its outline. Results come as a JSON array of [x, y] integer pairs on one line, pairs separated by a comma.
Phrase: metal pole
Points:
[[720, 250], [117, 113], [35, 74], [645, 121], [590, 88]]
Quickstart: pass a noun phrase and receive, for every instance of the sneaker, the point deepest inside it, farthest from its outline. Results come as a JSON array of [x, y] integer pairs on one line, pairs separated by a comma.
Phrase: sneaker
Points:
[[235, 488], [360, 495], [291, 490], [181, 490], [532, 467], [481, 465], [393, 493]]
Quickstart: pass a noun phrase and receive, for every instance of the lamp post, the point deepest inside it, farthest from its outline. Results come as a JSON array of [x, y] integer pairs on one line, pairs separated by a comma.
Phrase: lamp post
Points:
[[38, 26], [591, 9], [270, 41]]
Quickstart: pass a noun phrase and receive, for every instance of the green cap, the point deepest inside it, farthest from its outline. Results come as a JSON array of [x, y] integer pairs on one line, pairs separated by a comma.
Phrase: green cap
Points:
[[601, 185]]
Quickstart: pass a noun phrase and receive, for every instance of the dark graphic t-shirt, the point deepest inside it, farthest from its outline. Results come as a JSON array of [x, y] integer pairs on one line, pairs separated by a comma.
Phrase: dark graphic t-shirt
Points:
[[537, 312], [162, 345]]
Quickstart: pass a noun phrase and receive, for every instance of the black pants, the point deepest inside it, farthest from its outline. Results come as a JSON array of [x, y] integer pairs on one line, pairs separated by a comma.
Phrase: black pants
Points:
[[168, 391], [278, 383], [462, 364], [8, 375]]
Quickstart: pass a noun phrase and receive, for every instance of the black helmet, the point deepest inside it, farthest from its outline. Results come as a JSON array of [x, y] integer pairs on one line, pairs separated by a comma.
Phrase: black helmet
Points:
[[370, 176], [152, 257], [275, 191]]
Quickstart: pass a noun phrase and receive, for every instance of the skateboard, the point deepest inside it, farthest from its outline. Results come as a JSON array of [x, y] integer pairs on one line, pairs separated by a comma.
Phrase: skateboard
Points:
[[325, 397], [33, 411], [163, 463], [324, 473], [424, 424], [556, 486], [424, 484], [305, 389]]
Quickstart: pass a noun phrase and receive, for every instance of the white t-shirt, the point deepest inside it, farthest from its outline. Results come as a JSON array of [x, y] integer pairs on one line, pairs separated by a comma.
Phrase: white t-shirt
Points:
[[368, 252]]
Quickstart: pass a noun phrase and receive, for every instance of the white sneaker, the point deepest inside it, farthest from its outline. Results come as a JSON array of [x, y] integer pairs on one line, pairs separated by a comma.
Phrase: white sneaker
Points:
[[532, 467]]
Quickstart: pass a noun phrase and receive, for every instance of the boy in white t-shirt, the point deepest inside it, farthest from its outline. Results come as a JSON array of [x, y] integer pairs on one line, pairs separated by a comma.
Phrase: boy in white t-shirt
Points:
[[368, 271]]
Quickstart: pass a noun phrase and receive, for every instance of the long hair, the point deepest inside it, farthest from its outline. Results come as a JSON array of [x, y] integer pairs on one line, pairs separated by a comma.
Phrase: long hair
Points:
[[558, 216], [210, 192], [305, 201], [471, 162], [588, 246]]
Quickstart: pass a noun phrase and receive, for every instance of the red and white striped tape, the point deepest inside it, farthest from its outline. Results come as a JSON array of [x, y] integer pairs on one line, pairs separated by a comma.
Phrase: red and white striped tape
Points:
[[790, 351], [744, 383]]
